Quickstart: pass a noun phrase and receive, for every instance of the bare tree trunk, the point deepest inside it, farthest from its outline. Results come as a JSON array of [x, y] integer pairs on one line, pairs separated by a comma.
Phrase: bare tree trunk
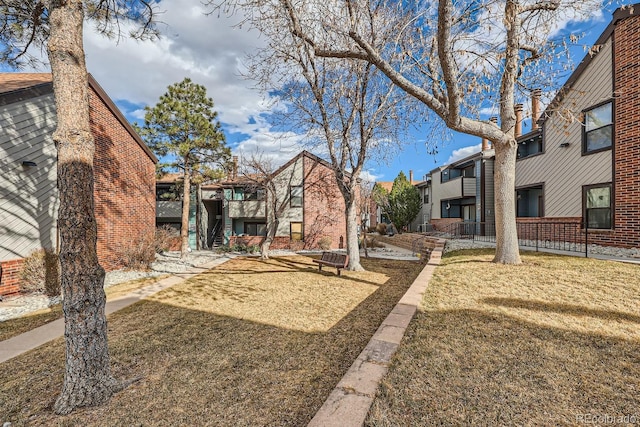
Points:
[[186, 199], [87, 380], [352, 236], [266, 243], [507, 250]]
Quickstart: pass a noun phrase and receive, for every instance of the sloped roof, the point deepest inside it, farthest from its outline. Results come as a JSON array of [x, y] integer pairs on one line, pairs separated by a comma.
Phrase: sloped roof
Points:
[[15, 87], [387, 185], [15, 81], [620, 14]]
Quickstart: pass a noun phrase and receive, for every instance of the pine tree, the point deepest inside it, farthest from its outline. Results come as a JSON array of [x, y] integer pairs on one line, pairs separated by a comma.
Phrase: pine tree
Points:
[[183, 129]]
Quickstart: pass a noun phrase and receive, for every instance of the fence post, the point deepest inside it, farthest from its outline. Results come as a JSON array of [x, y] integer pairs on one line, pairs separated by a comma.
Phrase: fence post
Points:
[[537, 235], [586, 234]]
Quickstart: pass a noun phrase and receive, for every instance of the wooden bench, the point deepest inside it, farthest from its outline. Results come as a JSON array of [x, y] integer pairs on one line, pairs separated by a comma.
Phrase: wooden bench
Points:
[[333, 259]]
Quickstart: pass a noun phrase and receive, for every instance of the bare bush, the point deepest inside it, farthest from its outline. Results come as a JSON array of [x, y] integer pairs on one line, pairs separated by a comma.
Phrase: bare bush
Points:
[[139, 253], [166, 239], [41, 273], [324, 243]]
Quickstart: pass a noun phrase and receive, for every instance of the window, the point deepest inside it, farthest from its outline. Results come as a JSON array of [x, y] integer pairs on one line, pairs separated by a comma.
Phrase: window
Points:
[[255, 229], [425, 200], [254, 194], [598, 128], [597, 206], [296, 196], [238, 193], [296, 231], [530, 201]]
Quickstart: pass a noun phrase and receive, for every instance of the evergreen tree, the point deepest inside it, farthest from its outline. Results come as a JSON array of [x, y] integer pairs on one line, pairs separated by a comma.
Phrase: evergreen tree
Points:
[[182, 128], [404, 202]]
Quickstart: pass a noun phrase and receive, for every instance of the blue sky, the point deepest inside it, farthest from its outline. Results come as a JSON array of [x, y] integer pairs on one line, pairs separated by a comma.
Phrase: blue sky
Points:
[[211, 51]]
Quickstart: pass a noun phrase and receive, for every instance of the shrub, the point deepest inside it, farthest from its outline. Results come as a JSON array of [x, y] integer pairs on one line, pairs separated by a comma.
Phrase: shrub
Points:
[[324, 243], [166, 239], [381, 228], [372, 242], [139, 253], [41, 273]]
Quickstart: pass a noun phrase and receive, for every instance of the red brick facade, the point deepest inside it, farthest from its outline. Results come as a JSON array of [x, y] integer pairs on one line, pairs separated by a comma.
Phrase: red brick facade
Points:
[[626, 151], [124, 173], [324, 208], [11, 276], [124, 186]]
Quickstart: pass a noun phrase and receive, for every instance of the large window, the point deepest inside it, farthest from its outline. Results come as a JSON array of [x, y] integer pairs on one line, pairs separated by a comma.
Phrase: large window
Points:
[[255, 229], [296, 196], [597, 206], [296, 231], [598, 128]]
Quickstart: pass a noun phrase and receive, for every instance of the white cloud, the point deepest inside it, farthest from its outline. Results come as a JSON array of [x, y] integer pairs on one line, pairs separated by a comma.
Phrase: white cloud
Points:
[[463, 152]]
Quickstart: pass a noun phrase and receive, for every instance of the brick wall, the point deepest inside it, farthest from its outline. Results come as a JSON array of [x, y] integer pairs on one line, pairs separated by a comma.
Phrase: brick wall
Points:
[[324, 208], [124, 186], [627, 136], [441, 224], [10, 283]]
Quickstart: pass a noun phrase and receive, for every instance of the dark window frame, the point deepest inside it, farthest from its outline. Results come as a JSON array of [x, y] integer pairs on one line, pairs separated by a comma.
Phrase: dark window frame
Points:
[[291, 196], [256, 223], [585, 219], [585, 151], [301, 232]]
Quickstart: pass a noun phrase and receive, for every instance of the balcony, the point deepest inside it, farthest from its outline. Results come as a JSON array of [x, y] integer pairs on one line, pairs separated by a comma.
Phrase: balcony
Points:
[[168, 209], [457, 188], [247, 208]]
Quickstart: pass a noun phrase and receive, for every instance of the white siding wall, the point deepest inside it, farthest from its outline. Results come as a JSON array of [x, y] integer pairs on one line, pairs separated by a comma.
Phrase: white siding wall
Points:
[[28, 196], [564, 170], [290, 176]]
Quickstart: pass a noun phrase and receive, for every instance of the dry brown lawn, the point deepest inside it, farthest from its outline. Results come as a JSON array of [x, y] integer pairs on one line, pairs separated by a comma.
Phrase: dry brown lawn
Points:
[[19, 325], [554, 341], [248, 343]]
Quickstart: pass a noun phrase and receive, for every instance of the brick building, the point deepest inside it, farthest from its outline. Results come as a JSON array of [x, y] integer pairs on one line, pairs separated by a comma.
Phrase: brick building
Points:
[[236, 210], [588, 172], [124, 169]]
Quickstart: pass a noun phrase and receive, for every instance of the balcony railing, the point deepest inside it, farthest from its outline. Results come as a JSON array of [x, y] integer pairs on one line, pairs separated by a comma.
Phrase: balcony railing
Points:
[[168, 209], [457, 188], [247, 208]]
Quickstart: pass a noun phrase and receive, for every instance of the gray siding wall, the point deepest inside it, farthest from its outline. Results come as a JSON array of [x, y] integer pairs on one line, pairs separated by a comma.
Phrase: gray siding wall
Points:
[[28, 195], [290, 177], [489, 192], [564, 170]]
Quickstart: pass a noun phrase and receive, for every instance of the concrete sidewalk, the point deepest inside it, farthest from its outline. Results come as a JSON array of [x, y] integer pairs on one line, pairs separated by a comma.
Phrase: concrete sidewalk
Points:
[[19, 344]]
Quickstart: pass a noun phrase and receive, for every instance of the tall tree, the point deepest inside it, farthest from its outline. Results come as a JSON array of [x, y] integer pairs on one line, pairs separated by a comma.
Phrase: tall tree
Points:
[[454, 58], [58, 26], [345, 107], [404, 202], [183, 125]]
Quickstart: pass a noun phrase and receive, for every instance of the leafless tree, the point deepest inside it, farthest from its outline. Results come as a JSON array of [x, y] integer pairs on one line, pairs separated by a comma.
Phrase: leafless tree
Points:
[[58, 26], [346, 107], [455, 58]]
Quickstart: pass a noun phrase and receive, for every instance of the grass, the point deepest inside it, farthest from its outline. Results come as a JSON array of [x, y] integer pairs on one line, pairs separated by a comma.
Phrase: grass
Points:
[[11, 328], [248, 343], [542, 343]]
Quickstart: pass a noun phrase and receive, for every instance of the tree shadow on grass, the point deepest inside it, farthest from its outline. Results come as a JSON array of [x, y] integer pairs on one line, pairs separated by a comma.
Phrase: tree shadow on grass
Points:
[[574, 310], [199, 368], [470, 367]]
